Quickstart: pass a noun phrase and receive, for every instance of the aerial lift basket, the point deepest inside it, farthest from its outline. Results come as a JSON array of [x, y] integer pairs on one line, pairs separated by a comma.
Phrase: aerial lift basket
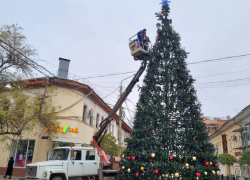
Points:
[[138, 49]]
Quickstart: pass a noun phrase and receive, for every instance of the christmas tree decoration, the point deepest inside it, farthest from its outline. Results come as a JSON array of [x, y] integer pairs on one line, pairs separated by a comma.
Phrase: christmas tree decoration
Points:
[[211, 163], [137, 174], [129, 170], [120, 160], [123, 167], [216, 165], [165, 2], [118, 170], [205, 173], [176, 175], [194, 158], [206, 164], [123, 156], [198, 175], [168, 134], [156, 171]]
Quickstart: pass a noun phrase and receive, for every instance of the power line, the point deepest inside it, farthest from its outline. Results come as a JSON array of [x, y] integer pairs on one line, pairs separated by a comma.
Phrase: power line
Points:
[[128, 110], [24, 56], [224, 81], [219, 59], [111, 92]]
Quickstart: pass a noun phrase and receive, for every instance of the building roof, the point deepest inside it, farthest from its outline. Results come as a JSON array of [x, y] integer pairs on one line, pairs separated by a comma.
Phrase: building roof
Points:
[[74, 85], [244, 112]]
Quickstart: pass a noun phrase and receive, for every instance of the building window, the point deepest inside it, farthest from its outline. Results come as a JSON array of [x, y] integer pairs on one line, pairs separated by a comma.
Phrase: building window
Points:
[[230, 145], [91, 117], [240, 141], [97, 121], [109, 128], [22, 151], [90, 155], [84, 116], [212, 127], [113, 130]]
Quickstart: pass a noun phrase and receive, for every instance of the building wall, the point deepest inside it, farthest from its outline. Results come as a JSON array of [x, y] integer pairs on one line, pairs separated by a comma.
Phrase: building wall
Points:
[[231, 144], [72, 116]]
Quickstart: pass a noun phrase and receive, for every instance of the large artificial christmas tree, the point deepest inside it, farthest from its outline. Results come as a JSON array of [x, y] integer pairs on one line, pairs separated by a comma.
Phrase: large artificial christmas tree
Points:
[[169, 140]]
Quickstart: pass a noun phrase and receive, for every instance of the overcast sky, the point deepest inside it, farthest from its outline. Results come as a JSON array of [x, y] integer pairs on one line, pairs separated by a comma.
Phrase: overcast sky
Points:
[[94, 36]]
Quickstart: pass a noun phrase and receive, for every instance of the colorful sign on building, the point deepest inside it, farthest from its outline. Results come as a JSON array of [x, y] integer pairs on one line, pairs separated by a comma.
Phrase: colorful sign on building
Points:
[[63, 129]]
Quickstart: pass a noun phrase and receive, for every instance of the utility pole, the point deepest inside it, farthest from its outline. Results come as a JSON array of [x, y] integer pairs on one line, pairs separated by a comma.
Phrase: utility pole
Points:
[[120, 126]]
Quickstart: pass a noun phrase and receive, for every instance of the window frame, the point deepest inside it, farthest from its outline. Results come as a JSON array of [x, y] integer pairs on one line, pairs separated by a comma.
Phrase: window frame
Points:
[[26, 154], [77, 150], [87, 154], [85, 110]]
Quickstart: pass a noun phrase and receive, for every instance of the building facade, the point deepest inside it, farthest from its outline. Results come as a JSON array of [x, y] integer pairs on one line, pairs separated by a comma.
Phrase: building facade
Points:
[[80, 114], [212, 124], [231, 138]]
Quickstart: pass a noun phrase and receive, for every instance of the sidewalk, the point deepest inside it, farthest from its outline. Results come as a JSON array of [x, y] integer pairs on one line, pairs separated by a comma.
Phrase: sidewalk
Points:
[[13, 178]]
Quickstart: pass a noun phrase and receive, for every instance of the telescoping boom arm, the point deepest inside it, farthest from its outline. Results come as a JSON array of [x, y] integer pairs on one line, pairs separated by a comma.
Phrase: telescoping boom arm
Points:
[[118, 104]]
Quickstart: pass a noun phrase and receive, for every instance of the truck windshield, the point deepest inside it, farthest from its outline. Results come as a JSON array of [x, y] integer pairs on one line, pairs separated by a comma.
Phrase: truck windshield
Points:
[[59, 154]]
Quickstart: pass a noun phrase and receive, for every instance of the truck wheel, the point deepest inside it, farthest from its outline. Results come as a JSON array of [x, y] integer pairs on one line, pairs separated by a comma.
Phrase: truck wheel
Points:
[[57, 178]]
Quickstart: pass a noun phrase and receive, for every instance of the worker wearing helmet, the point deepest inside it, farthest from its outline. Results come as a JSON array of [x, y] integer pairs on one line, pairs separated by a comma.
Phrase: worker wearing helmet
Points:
[[141, 36]]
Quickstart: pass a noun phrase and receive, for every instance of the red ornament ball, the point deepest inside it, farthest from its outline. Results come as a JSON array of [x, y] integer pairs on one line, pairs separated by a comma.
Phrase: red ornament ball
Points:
[[156, 171], [118, 170], [133, 158], [171, 158], [120, 160], [137, 174], [161, 15], [158, 37], [129, 158], [198, 175], [207, 164], [216, 165]]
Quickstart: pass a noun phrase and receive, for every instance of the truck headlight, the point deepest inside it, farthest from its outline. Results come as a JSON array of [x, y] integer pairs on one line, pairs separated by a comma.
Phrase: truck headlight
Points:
[[45, 174]]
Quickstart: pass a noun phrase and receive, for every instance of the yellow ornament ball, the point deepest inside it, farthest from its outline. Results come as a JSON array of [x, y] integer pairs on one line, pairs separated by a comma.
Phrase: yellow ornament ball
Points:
[[153, 155], [123, 156], [176, 175], [142, 168], [166, 175], [194, 158], [187, 165], [205, 173], [123, 167], [211, 163], [213, 172], [129, 170]]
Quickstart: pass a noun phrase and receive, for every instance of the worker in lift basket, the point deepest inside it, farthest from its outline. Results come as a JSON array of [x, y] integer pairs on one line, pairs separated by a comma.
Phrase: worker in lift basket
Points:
[[142, 39]]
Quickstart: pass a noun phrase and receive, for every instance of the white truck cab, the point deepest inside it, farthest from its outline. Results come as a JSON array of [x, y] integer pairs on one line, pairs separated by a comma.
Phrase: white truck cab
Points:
[[66, 163]]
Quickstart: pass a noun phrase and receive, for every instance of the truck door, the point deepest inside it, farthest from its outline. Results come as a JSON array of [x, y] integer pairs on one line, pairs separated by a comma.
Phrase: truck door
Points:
[[75, 166], [90, 163]]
